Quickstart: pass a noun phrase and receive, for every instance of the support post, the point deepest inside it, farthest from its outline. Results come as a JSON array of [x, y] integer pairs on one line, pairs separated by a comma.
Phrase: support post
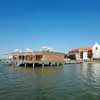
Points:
[[51, 64], [25, 65], [43, 65], [57, 64], [33, 65]]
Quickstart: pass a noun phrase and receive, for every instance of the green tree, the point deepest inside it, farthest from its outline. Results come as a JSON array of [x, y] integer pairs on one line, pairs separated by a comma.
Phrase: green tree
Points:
[[72, 57], [90, 54]]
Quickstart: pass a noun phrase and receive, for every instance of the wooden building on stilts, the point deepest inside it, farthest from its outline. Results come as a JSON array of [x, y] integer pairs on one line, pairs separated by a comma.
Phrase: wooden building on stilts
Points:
[[43, 58]]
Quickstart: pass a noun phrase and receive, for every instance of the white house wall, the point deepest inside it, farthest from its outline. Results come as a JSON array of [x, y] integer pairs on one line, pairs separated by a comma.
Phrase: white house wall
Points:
[[96, 51], [85, 55], [77, 56]]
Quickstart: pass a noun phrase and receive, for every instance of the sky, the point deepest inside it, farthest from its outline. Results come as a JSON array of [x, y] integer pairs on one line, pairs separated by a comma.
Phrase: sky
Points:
[[60, 24]]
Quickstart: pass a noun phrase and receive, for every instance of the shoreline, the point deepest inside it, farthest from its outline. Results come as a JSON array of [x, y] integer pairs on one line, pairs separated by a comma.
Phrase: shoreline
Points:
[[92, 62]]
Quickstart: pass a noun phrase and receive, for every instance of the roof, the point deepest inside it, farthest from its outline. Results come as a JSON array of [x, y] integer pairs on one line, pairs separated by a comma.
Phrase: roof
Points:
[[34, 53], [82, 49], [46, 56]]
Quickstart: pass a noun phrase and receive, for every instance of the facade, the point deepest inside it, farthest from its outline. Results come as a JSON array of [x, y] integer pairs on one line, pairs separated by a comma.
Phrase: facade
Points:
[[33, 58], [82, 53]]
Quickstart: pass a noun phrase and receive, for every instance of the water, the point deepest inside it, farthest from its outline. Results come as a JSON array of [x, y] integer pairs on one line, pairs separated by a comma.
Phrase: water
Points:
[[71, 82]]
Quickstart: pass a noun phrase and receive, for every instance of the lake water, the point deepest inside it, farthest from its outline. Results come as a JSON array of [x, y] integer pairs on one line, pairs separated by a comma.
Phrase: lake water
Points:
[[71, 82]]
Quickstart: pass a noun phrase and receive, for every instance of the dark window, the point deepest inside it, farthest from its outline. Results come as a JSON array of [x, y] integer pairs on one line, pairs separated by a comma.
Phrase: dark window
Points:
[[38, 57], [81, 55], [14, 57], [96, 48]]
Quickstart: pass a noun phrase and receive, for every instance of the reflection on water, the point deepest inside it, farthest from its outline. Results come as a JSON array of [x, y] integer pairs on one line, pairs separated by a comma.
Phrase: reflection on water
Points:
[[69, 82]]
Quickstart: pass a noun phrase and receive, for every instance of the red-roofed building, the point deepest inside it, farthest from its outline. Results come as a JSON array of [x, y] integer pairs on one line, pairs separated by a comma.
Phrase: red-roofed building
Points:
[[82, 53]]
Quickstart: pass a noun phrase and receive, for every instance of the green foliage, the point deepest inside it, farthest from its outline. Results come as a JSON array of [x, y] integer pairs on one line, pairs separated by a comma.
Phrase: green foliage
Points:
[[90, 54], [72, 57]]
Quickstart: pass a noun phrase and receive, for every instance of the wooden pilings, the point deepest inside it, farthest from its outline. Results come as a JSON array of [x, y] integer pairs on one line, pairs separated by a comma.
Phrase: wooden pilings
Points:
[[43, 64]]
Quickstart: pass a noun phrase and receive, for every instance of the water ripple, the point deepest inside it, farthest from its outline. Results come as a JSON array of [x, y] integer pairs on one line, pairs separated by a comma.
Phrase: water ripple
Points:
[[71, 82]]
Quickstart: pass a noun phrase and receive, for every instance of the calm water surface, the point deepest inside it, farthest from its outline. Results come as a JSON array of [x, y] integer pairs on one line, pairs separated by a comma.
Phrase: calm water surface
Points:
[[71, 82]]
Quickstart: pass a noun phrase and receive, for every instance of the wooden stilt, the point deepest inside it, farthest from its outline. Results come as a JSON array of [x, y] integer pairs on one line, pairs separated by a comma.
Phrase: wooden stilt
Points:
[[43, 65], [50, 63], [33, 65], [25, 65], [57, 64]]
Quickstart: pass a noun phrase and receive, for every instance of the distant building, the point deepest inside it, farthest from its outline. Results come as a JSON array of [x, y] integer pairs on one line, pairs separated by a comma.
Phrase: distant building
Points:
[[82, 53]]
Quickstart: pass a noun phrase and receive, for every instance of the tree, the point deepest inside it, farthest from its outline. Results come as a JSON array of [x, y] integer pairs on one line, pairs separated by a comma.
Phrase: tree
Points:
[[72, 57], [90, 54]]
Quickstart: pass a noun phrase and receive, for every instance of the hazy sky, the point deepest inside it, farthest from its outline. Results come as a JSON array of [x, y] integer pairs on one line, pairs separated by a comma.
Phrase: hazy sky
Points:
[[60, 24]]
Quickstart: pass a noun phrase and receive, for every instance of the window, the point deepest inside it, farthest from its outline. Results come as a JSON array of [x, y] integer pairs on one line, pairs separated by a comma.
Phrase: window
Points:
[[96, 48], [38, 57], [81, 55]]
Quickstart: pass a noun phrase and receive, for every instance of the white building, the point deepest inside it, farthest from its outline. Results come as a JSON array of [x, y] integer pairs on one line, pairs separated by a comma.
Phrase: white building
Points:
[[96, 51], [82, 53]]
